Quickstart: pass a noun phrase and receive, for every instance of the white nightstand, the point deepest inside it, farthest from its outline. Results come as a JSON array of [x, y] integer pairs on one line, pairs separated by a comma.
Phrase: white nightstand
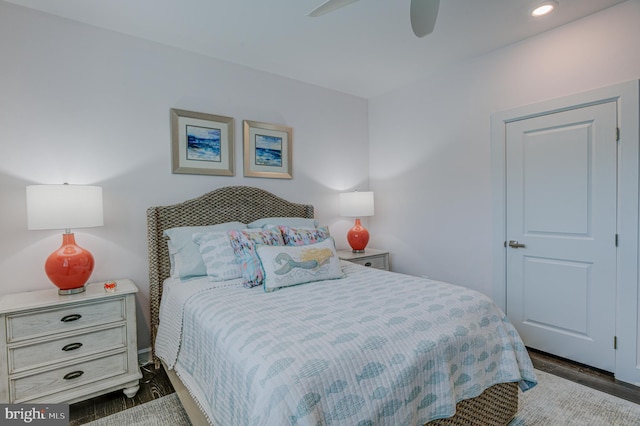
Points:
[[371, 257], [64, 349]]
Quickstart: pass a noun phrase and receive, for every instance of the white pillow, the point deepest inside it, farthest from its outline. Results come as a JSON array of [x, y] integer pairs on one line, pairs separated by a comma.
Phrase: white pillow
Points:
[[285, 266], [295, 222], [218, 256], [184, 253]]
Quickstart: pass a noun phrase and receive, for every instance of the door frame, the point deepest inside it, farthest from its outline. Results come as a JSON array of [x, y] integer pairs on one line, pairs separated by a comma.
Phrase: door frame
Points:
[[627, 98]]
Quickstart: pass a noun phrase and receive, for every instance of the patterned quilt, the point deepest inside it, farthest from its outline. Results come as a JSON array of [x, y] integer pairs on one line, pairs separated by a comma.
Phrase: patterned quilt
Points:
[[374, 348]]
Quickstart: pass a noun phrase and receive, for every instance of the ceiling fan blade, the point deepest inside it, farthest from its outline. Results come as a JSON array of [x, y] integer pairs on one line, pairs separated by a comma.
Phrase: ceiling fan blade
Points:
[[329, 6], [423, 16]]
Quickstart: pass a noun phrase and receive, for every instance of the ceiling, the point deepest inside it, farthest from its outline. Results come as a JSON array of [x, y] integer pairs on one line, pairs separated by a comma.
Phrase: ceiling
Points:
[[364, 49]]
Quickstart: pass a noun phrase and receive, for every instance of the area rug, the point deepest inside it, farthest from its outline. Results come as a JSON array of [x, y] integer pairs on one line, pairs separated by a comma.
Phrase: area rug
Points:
[[164, 411], [555, 401]]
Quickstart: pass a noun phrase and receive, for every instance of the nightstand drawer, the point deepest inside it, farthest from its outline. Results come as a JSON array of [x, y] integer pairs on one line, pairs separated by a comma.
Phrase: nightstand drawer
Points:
[[372, 258], [44, 322], [51, 351], [373, 262], [52, 381]]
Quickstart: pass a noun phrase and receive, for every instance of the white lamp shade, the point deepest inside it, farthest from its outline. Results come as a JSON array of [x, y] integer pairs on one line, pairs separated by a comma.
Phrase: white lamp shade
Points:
[[64, 206], [356, 204]]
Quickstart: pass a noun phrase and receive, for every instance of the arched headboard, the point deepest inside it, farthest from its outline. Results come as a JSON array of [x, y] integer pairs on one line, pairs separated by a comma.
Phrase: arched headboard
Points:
[[233, 203]]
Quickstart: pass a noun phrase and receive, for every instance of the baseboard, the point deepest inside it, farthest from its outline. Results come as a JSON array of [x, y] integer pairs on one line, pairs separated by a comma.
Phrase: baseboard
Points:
[[144, 356]]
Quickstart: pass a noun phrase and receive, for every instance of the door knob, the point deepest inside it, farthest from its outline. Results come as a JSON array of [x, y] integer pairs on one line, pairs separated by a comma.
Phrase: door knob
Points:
[[515, 244]]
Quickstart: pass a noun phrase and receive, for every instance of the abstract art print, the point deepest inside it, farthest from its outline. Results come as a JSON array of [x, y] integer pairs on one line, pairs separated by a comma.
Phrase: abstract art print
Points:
[[201, 143], [267, 150]]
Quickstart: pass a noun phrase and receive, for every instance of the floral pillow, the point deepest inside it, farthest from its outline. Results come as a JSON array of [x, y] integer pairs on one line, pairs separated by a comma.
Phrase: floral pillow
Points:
[[303, 236], [218, 255], [244, 242], [292, 265]]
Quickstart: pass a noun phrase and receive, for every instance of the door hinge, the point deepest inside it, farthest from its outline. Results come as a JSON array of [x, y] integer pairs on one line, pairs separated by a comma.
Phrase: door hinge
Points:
[[616, 240], [505, 244], [617, 134], [615, 342]]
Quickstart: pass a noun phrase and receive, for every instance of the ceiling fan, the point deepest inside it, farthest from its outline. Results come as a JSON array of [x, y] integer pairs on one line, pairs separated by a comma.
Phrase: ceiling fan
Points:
[[423, 13]]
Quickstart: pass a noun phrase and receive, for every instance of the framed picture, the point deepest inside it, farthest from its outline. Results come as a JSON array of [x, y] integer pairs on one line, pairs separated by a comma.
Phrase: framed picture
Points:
[[267, 150], [201, 144]]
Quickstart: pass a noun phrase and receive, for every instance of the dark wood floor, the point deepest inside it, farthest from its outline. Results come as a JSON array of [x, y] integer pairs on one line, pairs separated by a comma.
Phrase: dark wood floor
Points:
[[155, 384], [585, 375]]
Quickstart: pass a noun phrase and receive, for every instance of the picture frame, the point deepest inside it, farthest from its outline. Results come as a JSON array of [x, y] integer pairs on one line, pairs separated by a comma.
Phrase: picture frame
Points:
[[267, 150], [202, 144]]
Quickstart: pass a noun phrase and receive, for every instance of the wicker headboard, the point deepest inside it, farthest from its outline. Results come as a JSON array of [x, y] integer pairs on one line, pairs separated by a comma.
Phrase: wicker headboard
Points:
[[233, 203]]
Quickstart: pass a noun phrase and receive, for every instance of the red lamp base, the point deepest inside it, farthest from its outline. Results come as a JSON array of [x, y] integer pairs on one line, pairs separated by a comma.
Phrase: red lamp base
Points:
[[70, 266], [358, 237]]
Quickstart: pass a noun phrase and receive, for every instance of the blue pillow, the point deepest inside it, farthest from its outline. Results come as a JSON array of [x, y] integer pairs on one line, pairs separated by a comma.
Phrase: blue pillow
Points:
[[296, 222]]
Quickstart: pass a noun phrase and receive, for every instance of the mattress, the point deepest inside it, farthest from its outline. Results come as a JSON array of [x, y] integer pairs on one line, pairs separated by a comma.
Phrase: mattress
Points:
[[375, 347]]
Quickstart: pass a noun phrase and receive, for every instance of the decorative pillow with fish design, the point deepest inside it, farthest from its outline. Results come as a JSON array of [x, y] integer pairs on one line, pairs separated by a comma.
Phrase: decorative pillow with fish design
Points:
[[292, 265], [244, 243], [303, 236], [183, 252], [218, 255]]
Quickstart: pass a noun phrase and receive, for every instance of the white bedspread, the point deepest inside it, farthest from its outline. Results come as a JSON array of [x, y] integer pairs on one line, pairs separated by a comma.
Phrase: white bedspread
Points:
[[375, 348]]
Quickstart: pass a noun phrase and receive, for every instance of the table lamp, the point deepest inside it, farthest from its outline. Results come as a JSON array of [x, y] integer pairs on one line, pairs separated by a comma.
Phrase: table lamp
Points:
[[65, 207], [357, 204]]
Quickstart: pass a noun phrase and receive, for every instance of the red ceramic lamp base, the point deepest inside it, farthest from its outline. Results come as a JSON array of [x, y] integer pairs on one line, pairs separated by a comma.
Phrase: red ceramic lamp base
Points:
[[70, 266], [358, 237]]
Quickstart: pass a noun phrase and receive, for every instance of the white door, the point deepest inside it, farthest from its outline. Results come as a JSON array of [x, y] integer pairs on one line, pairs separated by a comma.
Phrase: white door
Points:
[[561, 193]]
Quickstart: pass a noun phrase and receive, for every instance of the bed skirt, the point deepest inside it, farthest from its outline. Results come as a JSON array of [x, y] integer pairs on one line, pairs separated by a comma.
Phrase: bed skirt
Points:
[[496, 406]]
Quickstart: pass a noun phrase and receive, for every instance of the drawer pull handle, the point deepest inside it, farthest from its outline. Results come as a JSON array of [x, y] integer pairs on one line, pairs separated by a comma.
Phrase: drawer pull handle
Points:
[[72, 347], [70, 318], [367, 264], [73, 375]]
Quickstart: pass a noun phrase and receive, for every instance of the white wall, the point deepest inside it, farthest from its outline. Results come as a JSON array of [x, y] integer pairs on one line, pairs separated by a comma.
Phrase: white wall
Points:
[[84, 105], [88, 106], [430, 143]]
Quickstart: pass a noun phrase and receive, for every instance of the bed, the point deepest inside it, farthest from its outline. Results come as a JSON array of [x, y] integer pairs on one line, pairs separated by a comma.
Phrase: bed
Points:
[[330, 351]]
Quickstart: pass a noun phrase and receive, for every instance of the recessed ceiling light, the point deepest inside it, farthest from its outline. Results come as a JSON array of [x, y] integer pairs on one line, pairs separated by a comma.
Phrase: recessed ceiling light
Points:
[[544, 8]]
